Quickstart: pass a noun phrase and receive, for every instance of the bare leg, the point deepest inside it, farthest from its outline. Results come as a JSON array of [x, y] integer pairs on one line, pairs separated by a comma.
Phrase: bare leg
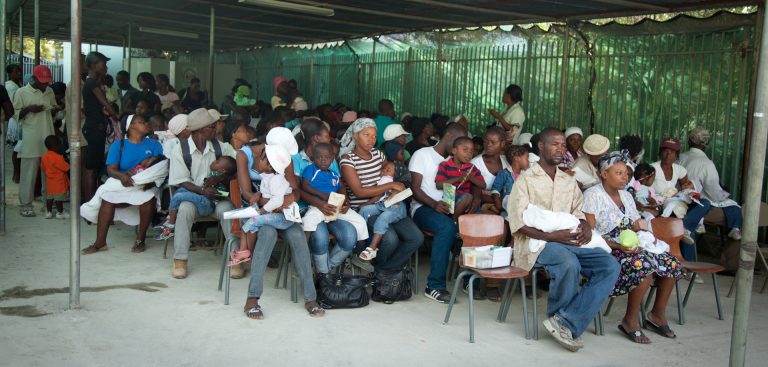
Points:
[[375, 241], [146, 212], [664, 288], [630, 321], [462, 206], [106, 214]]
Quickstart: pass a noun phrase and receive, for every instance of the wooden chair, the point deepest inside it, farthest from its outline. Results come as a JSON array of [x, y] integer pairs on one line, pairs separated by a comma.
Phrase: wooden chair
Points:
[[482, 230], [670, 230], [205, 219]]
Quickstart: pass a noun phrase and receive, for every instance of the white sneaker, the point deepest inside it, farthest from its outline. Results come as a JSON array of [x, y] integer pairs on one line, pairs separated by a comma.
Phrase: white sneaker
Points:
[[687, 238], [700, 229], [62, 215], [735, 234], [48, 215], [561, 333]]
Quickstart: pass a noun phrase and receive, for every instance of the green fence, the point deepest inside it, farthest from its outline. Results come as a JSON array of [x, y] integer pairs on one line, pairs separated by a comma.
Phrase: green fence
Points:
[[653, 84]]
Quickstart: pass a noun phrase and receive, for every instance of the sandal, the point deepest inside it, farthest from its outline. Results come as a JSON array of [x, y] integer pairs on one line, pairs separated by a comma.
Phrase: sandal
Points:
[[634, 335], [314, 309], [368, 254], [138, 246], [27, 212], [662, 330], [254, 312], [92, 249], [168, 230], [236, 258]]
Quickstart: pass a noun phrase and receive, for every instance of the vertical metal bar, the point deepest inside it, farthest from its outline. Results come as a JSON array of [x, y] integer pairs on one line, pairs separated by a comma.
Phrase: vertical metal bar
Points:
[[3, 23], [371, 70], [130, 27], [564, 75], [37, 32], [73, 120], [211, 55], [96, 45], [752, 203], [312, 94], [21, 38], [439, 83]]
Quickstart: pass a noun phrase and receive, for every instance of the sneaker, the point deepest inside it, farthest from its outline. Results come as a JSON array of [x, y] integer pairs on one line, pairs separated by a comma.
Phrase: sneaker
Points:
[[561, 333], [735, 234], [361, 264], [442, 296], [48, 215], [700, 229], [687, 238], [62, 215]]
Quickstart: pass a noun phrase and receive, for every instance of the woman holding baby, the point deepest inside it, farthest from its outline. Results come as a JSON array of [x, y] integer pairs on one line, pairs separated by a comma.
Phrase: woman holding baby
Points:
[[610, 210]]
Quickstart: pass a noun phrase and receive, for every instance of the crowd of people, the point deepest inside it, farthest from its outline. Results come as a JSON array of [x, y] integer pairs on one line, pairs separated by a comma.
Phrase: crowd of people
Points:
[[330, 172]]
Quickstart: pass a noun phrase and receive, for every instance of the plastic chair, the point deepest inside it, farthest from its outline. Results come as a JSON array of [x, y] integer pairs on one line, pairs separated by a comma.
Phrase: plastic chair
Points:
[[204, 219], [482, 230], [670, 230]]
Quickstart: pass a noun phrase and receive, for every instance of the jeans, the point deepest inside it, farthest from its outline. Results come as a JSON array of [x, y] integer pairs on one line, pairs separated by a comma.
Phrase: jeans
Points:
[[397, 245], [203, 205], [294, 238], [346, 237], [565, 265], [386, 216], [691, 220], [733, 218], [445, 231]]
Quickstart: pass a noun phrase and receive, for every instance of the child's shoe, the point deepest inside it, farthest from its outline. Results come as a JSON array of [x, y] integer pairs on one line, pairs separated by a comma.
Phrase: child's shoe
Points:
[[62, 215], [48, 215]]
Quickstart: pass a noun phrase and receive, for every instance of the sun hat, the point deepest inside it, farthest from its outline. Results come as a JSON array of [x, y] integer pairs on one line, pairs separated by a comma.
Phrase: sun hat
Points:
[[596, 144]]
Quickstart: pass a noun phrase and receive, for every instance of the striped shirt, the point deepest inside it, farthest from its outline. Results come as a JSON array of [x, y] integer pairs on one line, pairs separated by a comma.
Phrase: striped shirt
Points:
[[368, 171], [448, 170]]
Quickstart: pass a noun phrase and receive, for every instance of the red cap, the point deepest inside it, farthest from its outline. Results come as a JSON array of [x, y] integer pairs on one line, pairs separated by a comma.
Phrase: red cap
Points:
[[42, 73], [669, 143]]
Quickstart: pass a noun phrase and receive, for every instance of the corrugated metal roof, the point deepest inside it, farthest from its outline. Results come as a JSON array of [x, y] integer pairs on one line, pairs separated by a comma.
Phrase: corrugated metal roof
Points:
[[242, 25]]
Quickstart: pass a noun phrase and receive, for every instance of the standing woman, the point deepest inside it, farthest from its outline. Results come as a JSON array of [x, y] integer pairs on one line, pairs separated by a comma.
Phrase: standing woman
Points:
[[361, 165], [492, 161], [147, 89], [14, 132], [168, 98], [513, 117]]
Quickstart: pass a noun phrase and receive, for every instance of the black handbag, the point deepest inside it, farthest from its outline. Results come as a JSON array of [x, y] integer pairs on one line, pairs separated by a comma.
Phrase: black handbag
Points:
[[343, 291], [393, 285]]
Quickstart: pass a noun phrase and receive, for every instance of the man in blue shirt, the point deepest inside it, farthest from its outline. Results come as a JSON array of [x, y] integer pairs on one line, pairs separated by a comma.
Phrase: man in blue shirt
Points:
[[385, 118]]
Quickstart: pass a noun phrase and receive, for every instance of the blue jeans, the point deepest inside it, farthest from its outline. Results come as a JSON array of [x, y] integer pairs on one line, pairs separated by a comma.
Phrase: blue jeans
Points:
[[294, 238], [565, 265], [203, 205], [346, 237], [444, 229], [695, 213], [733, 218], [274, 220], [397, 245], [386, 216]]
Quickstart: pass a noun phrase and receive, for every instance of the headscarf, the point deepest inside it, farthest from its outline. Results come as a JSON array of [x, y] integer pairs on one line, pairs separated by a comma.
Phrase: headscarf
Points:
[[347, 142], [128, 121], [278, 79], [699, 136], [242, 96], [610, 159], [573, 130], [176, 125]]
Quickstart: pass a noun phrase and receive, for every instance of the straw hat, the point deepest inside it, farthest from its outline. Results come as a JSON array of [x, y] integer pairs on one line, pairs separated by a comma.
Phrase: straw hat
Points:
[[596, 144]]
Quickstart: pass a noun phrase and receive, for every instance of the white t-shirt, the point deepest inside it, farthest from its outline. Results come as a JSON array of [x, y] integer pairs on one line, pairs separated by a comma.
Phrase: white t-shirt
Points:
[[514, 115], [660, 183], [488, 177], [425, 162]]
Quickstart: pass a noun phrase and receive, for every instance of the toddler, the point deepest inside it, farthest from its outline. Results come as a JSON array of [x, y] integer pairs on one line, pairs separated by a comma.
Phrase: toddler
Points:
[[641, 187], [386, 216], [517, 156], [56, 171], [457, 171], [216, 185]]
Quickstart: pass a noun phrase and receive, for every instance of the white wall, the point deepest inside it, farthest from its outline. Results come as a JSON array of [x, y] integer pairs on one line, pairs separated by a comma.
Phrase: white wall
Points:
[[114, 53]]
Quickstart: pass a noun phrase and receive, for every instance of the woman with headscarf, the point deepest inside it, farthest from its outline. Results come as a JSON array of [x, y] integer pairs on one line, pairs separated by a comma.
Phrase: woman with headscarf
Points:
[[611, 211], [281, 92], [361, 165], [573, 140], [177, 131]]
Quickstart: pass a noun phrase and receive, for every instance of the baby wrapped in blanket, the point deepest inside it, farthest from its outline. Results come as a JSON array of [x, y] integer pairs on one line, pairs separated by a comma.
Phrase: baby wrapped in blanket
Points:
[[548, 221]]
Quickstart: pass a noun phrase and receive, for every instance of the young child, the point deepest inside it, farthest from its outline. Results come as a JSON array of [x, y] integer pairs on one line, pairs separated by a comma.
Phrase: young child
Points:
[[478, 142], [319, 180], [242, 135], [56, 171], [395, 153], [517, 156], [215, 185], [386, 216], [457, 171], [641, 188], [274, 186]]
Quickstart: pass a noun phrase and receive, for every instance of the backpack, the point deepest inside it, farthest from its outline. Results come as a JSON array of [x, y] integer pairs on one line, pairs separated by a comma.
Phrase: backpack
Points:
[[185, 153]]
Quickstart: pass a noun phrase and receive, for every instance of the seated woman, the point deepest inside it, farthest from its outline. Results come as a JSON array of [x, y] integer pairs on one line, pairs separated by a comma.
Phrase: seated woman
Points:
[[610, 209], [490, 164], [361, 166], [126, 158], [248, 162]]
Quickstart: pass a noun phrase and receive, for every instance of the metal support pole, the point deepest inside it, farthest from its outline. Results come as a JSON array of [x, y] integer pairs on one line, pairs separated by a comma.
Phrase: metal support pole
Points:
[[130, 26], [211, 56], [752, 202], [73, 129], [96, 43], [564, 76], [439, 86], [21, 40], [3, 125], [371, 74], [312, 84], [37, 32]]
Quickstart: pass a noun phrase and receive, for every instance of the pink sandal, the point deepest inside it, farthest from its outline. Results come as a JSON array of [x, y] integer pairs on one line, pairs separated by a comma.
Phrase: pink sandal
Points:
[[236, 257]]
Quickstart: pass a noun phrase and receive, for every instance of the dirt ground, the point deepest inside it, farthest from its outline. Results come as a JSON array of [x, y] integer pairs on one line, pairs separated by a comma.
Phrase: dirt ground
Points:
[[134, 314]]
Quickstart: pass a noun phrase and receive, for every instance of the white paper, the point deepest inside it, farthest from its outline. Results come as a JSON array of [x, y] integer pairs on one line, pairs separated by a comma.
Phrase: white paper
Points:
[[400, 196], [292, 213], [247, 212]]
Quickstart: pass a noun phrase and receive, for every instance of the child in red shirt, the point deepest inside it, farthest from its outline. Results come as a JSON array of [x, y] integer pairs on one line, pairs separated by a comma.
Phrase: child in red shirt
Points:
[[457, 171], [56, 171]]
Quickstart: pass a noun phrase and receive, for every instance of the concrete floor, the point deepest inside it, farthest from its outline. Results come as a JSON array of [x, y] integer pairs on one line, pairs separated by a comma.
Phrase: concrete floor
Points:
[[134, 314]]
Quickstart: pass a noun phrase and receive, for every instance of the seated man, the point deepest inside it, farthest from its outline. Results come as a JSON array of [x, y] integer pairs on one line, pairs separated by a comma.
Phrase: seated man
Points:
[[190, 166], [430, 212], [570, 308]]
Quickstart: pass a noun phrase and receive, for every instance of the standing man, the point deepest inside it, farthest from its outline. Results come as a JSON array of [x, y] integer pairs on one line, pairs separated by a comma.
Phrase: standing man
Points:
[[125, 91], [95, 107], [35, 105]]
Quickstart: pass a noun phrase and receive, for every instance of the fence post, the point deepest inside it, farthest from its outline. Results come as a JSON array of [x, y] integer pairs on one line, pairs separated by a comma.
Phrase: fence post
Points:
[[3, 24], [371, 74], [312, 85], [439, 83], [564, 75], [407, 104]]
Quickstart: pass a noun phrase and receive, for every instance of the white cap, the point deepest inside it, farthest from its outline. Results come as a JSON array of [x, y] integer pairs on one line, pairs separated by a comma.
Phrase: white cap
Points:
[[393, 131], [216, 115], [404, 115], [277, 157], [284, 138], [573, 130], [299, 104]]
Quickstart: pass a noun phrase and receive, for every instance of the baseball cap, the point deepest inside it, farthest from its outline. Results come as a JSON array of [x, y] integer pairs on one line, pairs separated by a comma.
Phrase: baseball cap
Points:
[[393, 131], [216, 115], [94, 57], [43, 74]]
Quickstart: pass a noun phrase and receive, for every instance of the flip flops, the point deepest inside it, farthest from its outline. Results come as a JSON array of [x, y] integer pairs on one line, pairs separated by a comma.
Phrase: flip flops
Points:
[[662, 330], [633, 335]]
